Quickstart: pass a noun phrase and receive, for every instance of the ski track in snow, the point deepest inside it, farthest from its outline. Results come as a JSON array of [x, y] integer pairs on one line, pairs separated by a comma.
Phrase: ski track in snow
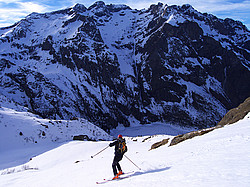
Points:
[[219, 158]]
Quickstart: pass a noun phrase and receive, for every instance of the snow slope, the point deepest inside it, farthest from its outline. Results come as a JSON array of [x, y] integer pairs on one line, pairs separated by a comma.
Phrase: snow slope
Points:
[[219, 158], [23, 134]]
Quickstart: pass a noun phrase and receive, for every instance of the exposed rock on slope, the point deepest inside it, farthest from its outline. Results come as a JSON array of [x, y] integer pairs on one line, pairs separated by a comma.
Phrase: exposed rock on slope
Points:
[[183, 137], [158, 144], [231, 117], [236, 114]]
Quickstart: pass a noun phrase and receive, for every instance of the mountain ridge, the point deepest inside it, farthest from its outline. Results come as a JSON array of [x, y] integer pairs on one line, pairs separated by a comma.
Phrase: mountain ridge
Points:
[[114, 65]]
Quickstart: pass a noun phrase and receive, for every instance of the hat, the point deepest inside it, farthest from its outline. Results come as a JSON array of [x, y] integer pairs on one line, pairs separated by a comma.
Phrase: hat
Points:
[[119, 136]]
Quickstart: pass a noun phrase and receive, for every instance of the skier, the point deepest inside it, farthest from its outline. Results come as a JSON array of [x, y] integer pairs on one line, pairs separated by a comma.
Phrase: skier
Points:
[[120, 149]]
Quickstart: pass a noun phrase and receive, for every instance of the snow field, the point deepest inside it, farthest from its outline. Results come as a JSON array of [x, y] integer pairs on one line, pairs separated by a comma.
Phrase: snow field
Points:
[[219, 158]]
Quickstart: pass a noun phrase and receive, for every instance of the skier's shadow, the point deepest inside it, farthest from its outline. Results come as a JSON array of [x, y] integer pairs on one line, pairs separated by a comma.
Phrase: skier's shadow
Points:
[[149, 171]]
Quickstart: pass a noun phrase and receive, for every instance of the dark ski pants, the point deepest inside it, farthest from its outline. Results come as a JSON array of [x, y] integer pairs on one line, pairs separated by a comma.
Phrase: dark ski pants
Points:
[[116, 164]]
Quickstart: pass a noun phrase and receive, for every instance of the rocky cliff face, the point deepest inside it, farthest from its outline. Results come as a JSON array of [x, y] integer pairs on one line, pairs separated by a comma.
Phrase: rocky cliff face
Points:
[[114, 65]]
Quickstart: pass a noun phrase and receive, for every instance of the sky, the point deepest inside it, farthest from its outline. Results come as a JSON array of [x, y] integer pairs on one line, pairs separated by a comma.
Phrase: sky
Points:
[[12, 11]]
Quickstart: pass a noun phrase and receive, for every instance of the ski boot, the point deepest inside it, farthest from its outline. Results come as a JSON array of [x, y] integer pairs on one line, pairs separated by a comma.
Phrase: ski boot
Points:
[[115, 177], [120, 172]]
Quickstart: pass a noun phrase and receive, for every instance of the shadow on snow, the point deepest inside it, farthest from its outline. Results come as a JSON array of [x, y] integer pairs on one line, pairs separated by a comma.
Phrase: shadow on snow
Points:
[[137, 173]]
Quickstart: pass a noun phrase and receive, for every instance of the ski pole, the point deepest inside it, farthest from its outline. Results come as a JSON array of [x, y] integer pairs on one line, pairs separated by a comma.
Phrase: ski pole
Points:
[[99, 152], [132, 162]]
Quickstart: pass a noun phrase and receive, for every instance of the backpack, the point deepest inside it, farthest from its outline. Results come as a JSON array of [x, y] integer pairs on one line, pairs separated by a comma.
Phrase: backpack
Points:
[[122, 147]]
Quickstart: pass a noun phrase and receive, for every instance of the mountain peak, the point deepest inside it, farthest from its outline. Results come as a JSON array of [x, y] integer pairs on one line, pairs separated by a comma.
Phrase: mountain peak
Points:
[[99, 8], [98, 4], [155, 8], [187, 6], [79, 8]]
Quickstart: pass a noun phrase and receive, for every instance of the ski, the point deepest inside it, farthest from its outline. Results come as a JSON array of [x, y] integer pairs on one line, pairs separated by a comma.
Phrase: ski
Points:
[[104, 181], [123, 176]]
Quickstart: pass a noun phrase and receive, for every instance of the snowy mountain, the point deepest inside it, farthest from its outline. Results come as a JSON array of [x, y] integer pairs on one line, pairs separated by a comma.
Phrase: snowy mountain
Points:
[[219, 158], [114, 65], [21, 129]]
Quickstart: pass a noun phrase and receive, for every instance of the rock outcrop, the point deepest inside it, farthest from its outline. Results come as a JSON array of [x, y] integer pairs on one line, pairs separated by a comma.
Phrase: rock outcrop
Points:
[[231, 117]]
